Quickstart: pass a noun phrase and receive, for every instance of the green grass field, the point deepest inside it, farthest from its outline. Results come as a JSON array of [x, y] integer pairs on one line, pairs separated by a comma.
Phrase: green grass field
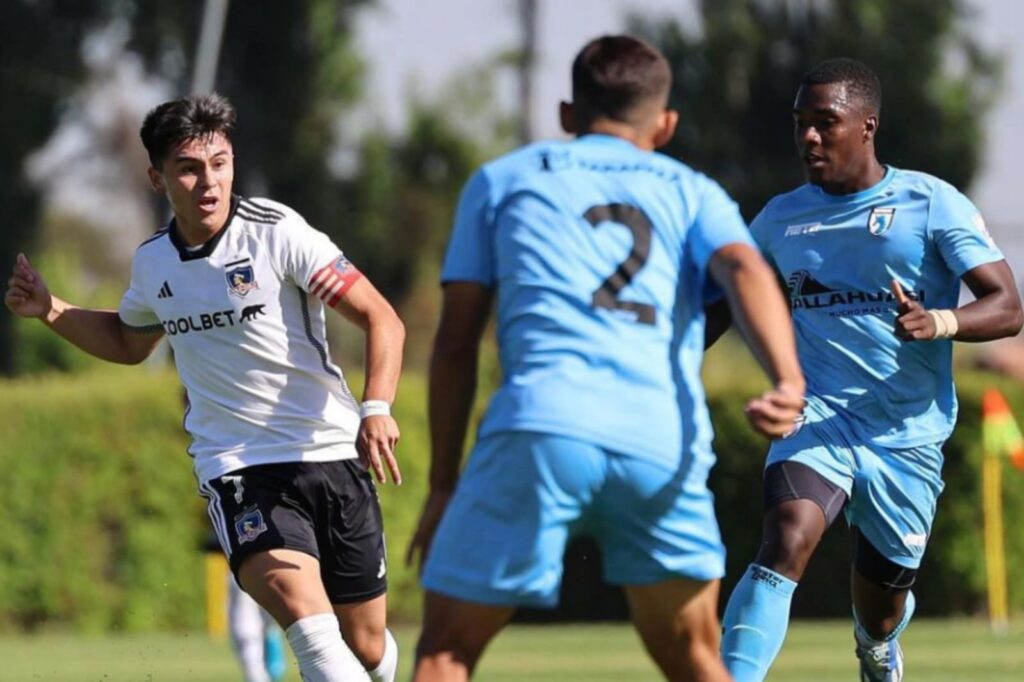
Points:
[[937, 651]]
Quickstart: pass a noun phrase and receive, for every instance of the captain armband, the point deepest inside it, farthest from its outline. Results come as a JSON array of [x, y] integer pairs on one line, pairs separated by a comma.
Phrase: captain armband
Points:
[[946, 324], [331, 282]]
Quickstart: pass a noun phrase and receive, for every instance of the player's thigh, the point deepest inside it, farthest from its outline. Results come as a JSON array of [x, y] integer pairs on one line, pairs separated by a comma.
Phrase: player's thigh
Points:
[[262, 525], [503, 536], [895, 496], [821, 447], [651, 527], [678, 623], [286, 583]]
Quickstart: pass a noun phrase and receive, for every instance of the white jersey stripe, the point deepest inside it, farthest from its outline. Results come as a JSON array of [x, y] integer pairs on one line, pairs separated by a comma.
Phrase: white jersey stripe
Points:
[[216, 515]]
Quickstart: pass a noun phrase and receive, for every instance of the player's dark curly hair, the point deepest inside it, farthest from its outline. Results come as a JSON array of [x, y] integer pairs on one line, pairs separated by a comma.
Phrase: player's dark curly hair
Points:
[[189, 118], [860, 80], [615, 76]]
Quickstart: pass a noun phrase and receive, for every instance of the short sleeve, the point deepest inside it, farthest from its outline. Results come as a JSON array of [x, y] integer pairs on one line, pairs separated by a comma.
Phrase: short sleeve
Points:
[[134, 311], [956, 227], [469, 257], [759, 232], [718, 223], [309, 258]]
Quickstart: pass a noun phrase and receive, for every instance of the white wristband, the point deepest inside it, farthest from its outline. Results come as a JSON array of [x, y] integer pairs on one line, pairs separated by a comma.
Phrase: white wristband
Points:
[[372, 408], [946, 324]]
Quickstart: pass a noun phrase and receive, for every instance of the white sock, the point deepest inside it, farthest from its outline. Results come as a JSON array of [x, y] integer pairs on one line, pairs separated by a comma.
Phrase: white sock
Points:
[[385, 672], [321, 653]]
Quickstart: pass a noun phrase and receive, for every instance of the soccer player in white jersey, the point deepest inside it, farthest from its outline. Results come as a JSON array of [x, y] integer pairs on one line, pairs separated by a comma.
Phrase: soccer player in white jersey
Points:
[[873, 257], [598, 252], [239, 286]]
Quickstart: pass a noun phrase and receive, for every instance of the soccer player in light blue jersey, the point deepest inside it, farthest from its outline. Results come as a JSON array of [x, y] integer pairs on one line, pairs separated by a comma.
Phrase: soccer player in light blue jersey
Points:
[[873, 257], [598, 252]]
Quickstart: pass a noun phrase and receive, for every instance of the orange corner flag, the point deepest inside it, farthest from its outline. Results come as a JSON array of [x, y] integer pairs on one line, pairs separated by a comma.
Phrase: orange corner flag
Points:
[[1000, 433]]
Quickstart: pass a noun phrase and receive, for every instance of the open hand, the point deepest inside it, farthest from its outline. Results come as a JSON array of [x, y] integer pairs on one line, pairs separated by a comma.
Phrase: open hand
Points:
[[376, 441], [433, 511]]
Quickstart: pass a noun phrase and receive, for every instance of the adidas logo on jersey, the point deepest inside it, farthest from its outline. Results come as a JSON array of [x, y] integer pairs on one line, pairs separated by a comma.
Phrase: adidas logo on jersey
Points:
[[165, 291]]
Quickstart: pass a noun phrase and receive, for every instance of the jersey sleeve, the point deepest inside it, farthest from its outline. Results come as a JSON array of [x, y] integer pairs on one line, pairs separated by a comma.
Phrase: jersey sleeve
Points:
[[134, 311], [718, 223], [309, 258], [759, 232], [956, 227], [469, 256]]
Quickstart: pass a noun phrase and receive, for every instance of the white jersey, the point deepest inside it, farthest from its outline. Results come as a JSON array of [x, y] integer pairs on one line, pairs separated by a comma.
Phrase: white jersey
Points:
[[244, 315]]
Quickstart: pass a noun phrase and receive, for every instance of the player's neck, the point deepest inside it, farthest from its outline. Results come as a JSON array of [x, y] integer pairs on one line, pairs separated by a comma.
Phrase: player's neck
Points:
[[620, 130], [865, 178], [194, 233]]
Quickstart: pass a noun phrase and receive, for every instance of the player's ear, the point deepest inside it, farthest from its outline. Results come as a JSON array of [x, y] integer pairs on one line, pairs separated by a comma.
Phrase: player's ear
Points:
[[668, 120], [567, 117], [156, 181], [870, 127]]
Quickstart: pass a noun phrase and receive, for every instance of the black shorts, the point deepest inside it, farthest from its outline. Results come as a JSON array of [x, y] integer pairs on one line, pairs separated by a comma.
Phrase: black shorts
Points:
[[329, 510]]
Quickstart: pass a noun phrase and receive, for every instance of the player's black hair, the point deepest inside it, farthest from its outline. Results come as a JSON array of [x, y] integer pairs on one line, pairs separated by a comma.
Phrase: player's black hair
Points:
[[189, 118], [860, 80], [615, 76]]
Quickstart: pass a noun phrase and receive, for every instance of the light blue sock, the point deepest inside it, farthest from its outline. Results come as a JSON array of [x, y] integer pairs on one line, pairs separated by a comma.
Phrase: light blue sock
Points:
[[908, 613], [755, 623]]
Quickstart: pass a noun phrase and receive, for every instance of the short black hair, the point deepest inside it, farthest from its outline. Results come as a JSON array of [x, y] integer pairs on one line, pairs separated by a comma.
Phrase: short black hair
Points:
[[189, 118], [860, 80], [614, 76]]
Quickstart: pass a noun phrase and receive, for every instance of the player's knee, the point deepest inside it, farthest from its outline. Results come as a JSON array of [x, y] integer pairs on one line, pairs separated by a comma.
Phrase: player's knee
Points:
[[876, 568], [694, 659], [367, 643], [789, 549]]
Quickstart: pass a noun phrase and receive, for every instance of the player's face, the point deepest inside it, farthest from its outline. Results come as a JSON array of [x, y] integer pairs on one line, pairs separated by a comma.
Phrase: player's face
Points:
[[197, 177], [833, 135]]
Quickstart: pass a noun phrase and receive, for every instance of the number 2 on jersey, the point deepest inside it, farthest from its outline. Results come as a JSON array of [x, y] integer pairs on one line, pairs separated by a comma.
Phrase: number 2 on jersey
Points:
[[607, 295]]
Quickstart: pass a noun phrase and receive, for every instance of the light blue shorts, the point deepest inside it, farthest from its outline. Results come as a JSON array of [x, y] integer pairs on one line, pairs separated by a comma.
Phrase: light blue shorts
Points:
[[523, 495], [892, 492]]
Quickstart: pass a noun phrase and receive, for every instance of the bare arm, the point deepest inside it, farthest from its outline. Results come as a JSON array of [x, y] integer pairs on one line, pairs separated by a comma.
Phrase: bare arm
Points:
[[763, 318], [453, 382], [364, 306], [994, 314], [97, 332]]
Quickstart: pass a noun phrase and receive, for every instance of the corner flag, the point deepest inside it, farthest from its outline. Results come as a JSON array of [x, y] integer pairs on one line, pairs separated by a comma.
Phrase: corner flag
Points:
[[1001, 437]]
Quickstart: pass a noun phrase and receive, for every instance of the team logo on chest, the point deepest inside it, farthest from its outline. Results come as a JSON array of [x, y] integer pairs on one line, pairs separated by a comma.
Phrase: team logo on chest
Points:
[[241, 277], [880, 220]]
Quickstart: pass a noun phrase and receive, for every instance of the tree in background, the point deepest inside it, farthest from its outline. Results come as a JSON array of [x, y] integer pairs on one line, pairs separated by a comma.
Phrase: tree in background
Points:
[[39, 64], [735, 80]]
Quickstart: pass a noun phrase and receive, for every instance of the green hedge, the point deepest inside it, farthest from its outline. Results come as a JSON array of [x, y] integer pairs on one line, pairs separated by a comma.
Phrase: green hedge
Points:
[[102, 520]]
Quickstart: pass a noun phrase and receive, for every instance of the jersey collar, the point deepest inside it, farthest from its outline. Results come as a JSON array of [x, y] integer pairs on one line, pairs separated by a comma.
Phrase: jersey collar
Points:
[[183, 251], [874, 190]]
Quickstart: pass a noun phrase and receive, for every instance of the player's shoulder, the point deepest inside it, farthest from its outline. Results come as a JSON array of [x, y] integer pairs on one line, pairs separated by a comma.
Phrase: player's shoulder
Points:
[[796, 200], [154, 241], [919, 183], [261, 211]]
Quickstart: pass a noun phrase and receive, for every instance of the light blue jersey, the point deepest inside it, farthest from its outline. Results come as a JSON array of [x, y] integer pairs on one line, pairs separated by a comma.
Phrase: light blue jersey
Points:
[[599, 253], [838, 256]]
